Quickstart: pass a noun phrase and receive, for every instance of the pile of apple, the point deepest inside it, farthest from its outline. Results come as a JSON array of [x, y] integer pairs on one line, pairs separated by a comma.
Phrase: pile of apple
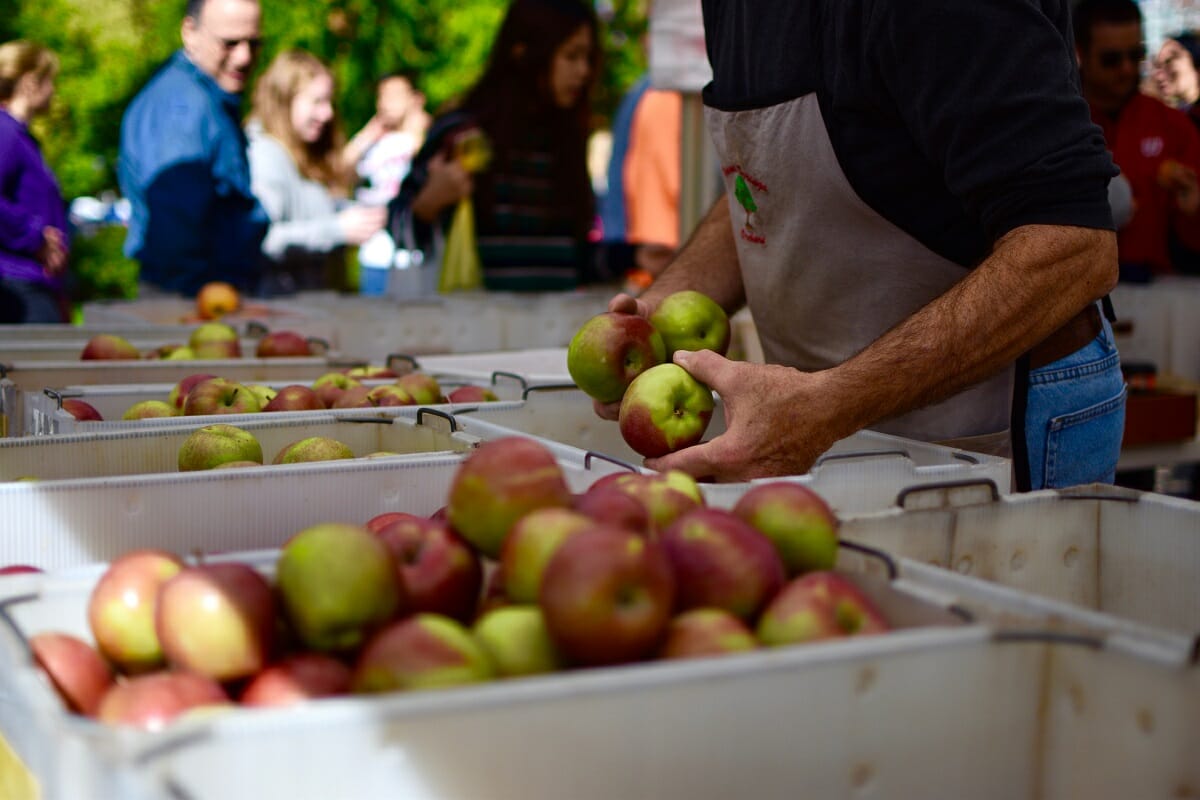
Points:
[[204, 394], [514, 576], [626, 359], [221, 446], [208, 341]]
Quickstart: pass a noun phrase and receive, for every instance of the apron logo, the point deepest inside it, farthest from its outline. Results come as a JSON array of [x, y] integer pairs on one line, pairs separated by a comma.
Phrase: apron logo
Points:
[[744, 188]]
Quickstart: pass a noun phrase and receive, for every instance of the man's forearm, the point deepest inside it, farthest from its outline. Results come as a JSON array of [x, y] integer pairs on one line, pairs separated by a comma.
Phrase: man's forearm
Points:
[[1037, 278], [707, 263]]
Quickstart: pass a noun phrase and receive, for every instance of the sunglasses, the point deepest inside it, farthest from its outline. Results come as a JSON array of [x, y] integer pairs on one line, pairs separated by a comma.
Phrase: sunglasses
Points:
[[1111, 59]]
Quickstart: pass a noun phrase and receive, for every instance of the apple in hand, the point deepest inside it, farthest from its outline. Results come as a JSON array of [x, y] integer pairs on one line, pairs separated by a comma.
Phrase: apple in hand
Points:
[[220, 396], [798, 522], [179, 391], [691, 320], [279, 344], [152, 701], [424, 651], [720, 561], [706, 632], [607, 596], [472, 394], [295, 397], [609, 351], [440, 571], [79, 674], [215, 340], [149, 409], [84, 412], [303, 676], [665, 409], [217, 620], [501, 481], [122, 607], [815, 606], [337, 583], [108, 347], [517, 641], [313, 448], [531, 543], [329, 387], [213, 445], [424, 389]]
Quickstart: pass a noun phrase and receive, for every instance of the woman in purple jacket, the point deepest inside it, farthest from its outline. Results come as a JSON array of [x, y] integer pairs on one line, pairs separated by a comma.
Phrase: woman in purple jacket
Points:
[[33, 223]]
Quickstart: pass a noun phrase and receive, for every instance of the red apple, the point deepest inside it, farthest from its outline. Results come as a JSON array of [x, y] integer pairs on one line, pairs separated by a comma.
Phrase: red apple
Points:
[[180, 391], [337, 583], [609, 351], [818, 605], [380, 521], [108, 347], [122, 607], [662, 498], [611, 506], [500, 482], [354, 397], [665, 409], [152, 701], [607, 595], [84, 412], [281, 344], [798, 522], [440, 571], [217, 620], [423, 389], [220, 396], [215, 340], [706, 632], [389, 395], [720, 561], [472, 394], [530, 544], [329, 387], [425, 651], [20, 569], [295, 397], [313, 448], [298, 678], [79, 674], [690, 320]]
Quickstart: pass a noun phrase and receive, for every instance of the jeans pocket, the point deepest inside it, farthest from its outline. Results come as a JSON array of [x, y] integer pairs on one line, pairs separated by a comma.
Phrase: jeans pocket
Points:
[[1083, 446]]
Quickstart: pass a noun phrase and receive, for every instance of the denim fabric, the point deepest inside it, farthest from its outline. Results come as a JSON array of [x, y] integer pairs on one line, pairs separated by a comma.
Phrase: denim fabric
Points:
[[1075, 416]]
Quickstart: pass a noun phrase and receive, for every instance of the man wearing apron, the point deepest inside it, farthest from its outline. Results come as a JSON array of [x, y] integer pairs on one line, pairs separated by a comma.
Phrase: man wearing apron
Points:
[[916, 215]]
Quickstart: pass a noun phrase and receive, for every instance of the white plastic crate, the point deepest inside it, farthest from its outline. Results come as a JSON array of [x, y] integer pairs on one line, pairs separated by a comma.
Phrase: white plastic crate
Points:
[[62, 332], [71, 349], [374, 328], [308, 320], [950, 711], [1129, 555], [862, 472], [534, 367]]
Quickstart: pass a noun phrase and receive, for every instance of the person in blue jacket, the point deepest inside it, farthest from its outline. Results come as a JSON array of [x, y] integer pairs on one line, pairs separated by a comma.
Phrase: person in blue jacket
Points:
[[183, 162]]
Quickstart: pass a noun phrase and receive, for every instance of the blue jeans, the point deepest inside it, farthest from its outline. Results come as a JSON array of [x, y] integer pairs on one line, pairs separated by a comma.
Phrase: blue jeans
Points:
[[1075, 417]]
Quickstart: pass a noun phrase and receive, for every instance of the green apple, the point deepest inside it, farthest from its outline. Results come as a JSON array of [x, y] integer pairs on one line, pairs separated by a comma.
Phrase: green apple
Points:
[[182, 353], [517, 641], [220, 396], [337, 583], [798, 522], [529, 545], [265, 394], [609, 351], [213, 445], [424, 389], [665, 409], [690, 320], [215, 340], [149, 409], [313, 448]]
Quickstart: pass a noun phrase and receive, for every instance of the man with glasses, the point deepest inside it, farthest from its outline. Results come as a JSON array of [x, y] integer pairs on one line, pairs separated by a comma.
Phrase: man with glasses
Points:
[[183, 157], [1156, 147]]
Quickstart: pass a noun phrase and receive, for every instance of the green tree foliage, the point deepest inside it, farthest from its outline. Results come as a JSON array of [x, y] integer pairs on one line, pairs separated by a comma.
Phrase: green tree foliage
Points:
[[109, 48]]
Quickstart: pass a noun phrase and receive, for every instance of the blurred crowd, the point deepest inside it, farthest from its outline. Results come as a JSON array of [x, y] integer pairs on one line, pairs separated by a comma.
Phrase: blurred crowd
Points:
[[264, 189]]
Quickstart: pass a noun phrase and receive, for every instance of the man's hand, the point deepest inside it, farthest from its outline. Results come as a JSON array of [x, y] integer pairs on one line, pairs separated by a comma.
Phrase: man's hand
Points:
[[777, 421], [448, 183], [621, 304], [53, 253]]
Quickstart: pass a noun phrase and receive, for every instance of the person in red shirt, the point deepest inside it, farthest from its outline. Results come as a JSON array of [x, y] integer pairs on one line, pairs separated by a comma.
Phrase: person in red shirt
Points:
[[1156, 147]]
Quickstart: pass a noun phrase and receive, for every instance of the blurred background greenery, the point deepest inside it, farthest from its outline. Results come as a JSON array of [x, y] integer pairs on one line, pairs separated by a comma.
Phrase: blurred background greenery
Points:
[[109, 48]]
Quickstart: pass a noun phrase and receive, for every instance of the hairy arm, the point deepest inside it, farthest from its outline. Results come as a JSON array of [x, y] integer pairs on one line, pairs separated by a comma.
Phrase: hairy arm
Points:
[[779, 420]]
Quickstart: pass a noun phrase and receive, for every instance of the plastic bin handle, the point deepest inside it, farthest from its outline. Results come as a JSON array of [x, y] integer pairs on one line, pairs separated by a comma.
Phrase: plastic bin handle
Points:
[[411, 361], [58, 396], [423, 410], [889, 563], [514, 376], [825, 459], [318, 345], [548, 387], [929, 488], [1050, 637], [590, 454], [255, 329]]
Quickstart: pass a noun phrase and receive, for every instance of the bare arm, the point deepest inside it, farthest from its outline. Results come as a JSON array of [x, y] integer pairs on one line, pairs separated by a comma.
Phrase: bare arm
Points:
[[779, 420]]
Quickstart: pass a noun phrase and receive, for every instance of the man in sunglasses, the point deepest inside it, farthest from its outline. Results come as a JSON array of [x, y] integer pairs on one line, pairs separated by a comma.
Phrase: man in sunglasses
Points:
[[183, 157], [1156, 147]]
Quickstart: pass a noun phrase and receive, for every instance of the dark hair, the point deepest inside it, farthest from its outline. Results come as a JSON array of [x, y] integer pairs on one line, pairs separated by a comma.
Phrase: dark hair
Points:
[[1088, 13], [397, 74], [194, 7], [1190, 43], [513, 95]]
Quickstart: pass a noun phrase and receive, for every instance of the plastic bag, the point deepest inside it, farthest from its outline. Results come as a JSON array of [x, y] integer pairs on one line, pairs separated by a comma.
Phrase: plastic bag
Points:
[[460, 261]]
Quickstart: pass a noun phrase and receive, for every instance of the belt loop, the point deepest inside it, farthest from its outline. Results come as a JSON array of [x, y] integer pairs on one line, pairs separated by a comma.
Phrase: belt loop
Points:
[[1110, 313]]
